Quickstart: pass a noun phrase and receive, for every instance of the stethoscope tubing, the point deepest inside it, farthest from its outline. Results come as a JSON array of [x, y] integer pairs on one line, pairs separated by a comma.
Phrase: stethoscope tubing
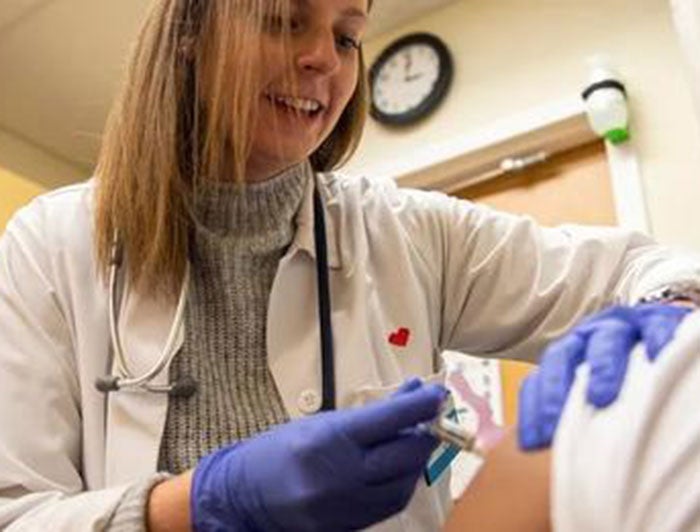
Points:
[[126, 380], [324, 307]]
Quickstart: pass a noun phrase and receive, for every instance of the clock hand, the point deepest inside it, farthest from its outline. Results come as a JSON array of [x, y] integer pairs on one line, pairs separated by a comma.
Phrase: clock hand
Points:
[[408, 64], [414, 77]]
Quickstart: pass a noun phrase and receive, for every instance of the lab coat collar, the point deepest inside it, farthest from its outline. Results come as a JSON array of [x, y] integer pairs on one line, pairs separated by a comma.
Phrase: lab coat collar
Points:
[[304, 238]]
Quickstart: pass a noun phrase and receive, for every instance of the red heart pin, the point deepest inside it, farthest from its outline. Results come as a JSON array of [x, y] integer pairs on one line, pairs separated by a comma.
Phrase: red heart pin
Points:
[[400, 337]]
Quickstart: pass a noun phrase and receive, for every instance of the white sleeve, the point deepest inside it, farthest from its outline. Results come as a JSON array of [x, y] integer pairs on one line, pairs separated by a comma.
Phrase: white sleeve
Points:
[[634, 466], [509, 286], [41, 487]]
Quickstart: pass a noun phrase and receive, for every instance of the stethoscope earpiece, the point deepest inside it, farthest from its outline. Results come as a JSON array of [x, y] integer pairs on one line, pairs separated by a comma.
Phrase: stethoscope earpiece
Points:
[[185, 387], [125, 379], [107, 384]]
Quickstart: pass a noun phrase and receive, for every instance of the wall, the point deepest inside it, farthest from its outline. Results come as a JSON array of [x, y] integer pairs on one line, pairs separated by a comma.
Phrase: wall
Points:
[[512, 56], [27, 170], [686, 17], [15, 191], [47, 170]]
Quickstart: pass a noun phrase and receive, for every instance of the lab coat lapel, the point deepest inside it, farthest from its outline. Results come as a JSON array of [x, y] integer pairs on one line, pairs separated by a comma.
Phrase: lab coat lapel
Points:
[[293, 336], [293, 343], [135, 419], [304, 220]]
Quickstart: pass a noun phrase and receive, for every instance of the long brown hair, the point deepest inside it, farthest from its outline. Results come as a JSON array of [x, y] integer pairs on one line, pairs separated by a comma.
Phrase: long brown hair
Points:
[[160, 140]]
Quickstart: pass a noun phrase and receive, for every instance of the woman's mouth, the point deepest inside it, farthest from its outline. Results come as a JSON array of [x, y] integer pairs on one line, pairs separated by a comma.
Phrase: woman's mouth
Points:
[[301, 107]]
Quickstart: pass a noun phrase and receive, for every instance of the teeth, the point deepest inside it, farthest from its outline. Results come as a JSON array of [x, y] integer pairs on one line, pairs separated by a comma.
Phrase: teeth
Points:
[[302, 104]]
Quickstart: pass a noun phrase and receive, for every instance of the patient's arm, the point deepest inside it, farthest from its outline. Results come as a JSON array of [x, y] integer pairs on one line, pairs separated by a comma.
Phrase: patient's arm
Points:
[[510, 492], [631, 467]]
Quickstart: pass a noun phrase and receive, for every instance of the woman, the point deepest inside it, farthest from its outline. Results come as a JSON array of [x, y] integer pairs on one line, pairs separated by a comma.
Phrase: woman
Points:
[[215, 183]]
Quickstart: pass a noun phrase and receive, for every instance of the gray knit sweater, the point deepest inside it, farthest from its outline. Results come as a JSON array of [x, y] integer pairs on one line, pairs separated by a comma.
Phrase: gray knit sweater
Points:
[[239, 238]]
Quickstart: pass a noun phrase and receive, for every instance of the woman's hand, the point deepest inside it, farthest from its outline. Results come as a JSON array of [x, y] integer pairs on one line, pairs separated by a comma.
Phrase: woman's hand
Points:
[[604, 341], [334, 471]]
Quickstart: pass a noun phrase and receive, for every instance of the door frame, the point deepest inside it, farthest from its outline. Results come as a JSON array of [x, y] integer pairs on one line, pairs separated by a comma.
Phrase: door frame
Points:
[[550, 129]]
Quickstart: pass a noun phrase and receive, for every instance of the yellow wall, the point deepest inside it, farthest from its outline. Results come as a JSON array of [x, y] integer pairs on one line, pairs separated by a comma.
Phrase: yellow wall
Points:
[[15, 191], [48, 171]]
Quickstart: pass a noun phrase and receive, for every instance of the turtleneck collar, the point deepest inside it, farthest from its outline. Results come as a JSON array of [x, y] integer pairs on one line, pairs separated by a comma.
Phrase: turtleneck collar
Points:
[[252, 210]]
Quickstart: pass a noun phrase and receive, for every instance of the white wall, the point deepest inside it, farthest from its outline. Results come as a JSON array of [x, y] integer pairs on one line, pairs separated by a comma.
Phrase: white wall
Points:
[[514, 55], [686, 16]]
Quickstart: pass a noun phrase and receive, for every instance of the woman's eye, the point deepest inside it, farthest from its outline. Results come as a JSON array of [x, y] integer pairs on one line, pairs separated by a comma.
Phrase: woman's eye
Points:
[[346, 42], [294, 24]]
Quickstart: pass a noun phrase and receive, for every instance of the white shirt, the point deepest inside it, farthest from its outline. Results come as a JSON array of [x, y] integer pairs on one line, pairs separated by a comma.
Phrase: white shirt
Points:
[[455, 275], [634, 466]]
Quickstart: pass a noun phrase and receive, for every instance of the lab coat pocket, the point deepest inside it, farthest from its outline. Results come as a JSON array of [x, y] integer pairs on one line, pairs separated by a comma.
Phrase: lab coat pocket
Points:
[[367, 394]]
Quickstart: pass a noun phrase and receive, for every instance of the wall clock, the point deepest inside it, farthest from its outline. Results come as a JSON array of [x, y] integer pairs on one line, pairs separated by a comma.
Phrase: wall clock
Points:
[[409, 79]]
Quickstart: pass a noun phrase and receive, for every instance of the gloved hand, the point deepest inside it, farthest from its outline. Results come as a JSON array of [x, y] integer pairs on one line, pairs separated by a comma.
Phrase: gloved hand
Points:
[[340, 470], [604, 341]]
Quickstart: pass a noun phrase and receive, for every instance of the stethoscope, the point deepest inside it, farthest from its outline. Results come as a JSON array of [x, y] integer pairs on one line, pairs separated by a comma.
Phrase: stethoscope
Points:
[[186, 386]]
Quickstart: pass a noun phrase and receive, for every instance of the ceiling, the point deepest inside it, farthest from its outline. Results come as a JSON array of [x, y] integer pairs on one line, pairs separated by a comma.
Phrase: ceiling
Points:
[[61, 60]]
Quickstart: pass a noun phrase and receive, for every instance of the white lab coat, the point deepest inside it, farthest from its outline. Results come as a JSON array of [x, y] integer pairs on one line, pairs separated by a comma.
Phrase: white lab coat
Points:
[[456, 275]]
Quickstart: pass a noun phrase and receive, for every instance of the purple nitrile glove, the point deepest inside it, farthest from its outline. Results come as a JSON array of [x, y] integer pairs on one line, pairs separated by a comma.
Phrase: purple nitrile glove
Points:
[[604, 341], [341, 470]]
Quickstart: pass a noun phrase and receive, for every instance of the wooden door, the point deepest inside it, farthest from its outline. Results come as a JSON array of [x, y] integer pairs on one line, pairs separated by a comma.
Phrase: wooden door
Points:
[[572, 187]]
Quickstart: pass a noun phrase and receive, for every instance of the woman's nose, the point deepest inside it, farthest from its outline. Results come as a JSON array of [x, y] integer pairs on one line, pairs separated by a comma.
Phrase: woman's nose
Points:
[[318, 52]]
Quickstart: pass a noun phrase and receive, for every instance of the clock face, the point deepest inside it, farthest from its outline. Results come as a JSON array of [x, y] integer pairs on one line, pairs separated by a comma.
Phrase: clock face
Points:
[[406, 79], [409, 79]]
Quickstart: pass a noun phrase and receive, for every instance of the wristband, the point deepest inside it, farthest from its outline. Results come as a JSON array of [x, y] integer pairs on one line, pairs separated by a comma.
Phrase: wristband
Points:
[[674, 294]]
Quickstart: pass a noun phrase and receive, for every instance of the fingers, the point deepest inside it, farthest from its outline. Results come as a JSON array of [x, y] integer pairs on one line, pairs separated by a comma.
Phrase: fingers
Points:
[[544, 393], [529, 434], [408, 385], [657, 331], [605, 341], [658, 325], [607, 354], [408, 454], [384, 419], [616, 312]]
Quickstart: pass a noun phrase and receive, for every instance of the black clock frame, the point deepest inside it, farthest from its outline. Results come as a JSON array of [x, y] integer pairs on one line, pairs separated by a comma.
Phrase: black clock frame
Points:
[[438, 92]]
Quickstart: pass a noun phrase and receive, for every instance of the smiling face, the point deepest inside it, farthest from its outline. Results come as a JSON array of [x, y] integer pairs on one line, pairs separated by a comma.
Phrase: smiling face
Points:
[[308, 76]]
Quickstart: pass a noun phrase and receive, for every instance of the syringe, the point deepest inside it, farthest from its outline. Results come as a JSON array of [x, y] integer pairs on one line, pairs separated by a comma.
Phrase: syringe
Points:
[[450, 432]]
